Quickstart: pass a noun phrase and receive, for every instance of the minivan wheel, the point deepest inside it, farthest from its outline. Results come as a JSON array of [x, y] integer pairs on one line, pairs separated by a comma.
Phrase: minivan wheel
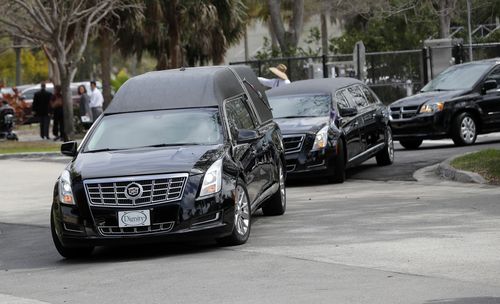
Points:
[[338, 175], [386, 156], [242, 219], [464, 130], [67, 252], [276, 205], [410, 144]]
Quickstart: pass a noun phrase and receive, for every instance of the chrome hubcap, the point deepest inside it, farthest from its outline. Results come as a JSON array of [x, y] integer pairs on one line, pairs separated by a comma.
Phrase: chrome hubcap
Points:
[[282, 187], [390, 144], [468, 129], [242, 212]]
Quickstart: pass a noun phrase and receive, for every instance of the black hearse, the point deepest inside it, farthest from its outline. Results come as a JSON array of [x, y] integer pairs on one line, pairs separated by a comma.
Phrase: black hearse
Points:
[[460, 103], [179, 153], [329, 125]]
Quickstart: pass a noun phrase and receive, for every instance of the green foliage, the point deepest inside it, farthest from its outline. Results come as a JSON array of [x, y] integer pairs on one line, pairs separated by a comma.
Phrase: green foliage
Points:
[[313, 42], [34, 67], [119, 79], [485, 162]]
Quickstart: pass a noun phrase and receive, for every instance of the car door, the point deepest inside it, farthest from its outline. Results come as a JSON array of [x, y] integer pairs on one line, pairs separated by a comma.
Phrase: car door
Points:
[[374, 118], [238, 118], [349, 125], [490, 102]]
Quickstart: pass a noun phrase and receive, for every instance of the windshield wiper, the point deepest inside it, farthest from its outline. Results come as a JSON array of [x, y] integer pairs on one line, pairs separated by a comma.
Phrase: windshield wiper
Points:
[[169, 145], [102, 150], [298, 116]]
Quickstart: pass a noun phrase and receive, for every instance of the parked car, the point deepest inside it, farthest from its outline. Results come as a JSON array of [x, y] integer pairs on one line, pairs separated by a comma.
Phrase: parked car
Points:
[[460, 103], [329, 125], [179, 153]]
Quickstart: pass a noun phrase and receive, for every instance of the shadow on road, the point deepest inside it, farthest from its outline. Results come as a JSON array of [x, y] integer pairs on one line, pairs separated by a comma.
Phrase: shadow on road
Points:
[[475, 300]]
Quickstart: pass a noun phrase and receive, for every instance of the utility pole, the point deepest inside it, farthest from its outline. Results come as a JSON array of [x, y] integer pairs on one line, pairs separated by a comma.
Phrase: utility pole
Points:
[[470, 31], [16, 41]]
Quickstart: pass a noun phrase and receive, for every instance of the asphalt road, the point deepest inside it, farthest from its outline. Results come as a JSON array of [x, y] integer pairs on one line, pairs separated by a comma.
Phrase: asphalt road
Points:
[[365, 241]]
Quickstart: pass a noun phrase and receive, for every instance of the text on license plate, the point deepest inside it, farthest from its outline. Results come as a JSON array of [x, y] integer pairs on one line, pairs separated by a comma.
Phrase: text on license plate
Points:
[[135, 218]]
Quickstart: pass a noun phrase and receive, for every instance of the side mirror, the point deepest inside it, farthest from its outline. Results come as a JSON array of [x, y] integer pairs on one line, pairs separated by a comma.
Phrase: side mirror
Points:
[[488, 85], [246, 136], [346, 112], [69, 148]]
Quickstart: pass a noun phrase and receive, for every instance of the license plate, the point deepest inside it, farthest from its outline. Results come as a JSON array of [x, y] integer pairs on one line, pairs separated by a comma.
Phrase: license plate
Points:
[[135, 218]]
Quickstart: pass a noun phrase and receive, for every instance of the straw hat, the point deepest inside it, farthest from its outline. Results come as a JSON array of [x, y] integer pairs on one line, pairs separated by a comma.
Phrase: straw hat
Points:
[[280, 71]]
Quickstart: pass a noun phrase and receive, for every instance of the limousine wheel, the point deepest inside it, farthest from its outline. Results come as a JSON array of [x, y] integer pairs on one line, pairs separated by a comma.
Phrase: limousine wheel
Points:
[[69, 253], [276, 205], [386, 156], [410, 144], [242, 219], [338, 175], [464, 130]]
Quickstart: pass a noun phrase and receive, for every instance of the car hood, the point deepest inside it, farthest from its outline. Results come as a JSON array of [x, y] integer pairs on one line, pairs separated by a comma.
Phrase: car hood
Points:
[[301, 125], [421, 98], [192, 159]]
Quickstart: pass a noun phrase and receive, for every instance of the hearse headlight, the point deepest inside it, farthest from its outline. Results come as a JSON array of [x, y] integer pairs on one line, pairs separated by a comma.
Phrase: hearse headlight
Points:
[[432, 107], [65, 191], [321, 139], [212, 181]]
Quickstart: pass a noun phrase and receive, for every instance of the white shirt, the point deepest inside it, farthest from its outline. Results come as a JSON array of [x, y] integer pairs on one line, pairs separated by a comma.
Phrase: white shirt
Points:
[[273, 83], [96, 99]]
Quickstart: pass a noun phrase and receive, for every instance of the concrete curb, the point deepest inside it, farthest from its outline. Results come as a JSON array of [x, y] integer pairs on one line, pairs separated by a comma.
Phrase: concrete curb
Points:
[[446, 171], [30, 155]]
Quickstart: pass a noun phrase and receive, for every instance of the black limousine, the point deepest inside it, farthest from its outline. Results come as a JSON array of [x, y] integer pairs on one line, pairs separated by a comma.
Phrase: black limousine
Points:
[[180, 153], [329, 125], [460, 103]]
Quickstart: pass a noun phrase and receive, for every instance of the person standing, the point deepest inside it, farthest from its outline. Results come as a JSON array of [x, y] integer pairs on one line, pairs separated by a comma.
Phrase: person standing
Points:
[[96, 100], [280, 72], [85, 112], [56, 103], [41, 109]]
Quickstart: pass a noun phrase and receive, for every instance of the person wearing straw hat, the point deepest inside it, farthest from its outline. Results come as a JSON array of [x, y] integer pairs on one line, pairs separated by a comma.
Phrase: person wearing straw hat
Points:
[[280, 72]]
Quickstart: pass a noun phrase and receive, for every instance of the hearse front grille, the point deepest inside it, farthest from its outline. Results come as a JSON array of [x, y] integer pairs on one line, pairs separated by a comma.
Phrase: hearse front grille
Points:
[[147, 190], [115, 230], [293, 143], [404, 112]]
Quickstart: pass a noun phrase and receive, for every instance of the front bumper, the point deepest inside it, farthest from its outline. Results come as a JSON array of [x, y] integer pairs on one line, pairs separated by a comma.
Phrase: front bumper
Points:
[[186, 219], [432, 126]]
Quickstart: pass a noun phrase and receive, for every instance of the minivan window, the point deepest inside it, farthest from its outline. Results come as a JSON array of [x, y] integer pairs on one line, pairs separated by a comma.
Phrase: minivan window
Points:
[[292, 106], [200, 126], [238, 116], [460, 77]]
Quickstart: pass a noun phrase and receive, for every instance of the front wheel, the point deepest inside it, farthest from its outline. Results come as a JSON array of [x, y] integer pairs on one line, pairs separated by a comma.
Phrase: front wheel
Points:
[[276, 205], [464, 131], [242, 219], [386, 156], [67, 252]]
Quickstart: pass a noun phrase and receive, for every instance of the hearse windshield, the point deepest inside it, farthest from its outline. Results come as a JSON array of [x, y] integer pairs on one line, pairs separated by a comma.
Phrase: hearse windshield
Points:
[[460, 77], [300, 106], [200, 126]]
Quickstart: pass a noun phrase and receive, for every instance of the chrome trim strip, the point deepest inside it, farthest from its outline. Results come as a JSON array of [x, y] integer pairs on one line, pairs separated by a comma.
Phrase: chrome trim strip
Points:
[[295, 150], [367, 151], [267, 193], [318, 165], [135, 233], [217, 217]]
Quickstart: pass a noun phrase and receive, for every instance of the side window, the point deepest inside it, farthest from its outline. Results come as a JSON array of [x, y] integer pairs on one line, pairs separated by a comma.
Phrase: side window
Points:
[[357, 96], [369, 95], [261, 107], [238, 116], [494, 75], [342, 102]]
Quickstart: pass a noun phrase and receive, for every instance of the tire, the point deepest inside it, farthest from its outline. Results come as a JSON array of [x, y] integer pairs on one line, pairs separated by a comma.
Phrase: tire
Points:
[[386, 156], [276, 205], [242, 219], [67, 252], [464, 130], [411, 144], [338, 175]]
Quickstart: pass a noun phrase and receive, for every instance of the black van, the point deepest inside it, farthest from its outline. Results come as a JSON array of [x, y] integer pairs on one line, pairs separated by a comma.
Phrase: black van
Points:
[[180, 153], [329, 125]]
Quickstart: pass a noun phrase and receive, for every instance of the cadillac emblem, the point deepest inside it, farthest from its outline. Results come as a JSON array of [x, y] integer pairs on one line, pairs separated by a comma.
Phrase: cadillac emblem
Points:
[[133, 191]]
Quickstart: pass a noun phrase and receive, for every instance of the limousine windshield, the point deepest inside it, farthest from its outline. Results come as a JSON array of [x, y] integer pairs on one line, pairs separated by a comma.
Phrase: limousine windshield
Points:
[[200, 126], [300, 106]]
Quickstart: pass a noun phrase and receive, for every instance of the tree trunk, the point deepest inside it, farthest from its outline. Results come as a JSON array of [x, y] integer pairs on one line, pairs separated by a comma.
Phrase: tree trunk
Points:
[[17, 49], [446, 8], [106, 51], [69, 129], [288, 40], [174, 35], [247, 55], [324, 34]]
